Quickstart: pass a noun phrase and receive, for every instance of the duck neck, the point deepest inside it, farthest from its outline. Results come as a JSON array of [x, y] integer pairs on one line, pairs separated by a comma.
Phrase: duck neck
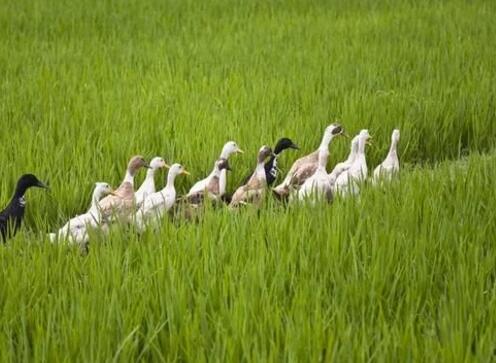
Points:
[[278, 149], [326, 140], [361, 149], [392, 149], [150, 174], [273, 160], [213, 173], [323, 156], [19, 191], [352, 154], [171, 177], [216, 173], [95, 206], [225, 154], [260, 169], [129, 177]]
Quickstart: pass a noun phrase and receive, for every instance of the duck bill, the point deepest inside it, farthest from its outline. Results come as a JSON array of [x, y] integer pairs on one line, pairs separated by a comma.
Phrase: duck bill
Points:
[[42, 185], [369, 141], [185, 172], [239, 151], [147, 166], [294, 146], [166, 166], [345, 135], [112, 192]]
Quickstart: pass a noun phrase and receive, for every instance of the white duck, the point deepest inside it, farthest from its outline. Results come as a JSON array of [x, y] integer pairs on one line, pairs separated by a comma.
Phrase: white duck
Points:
[[305, 167], [345, 165], [357, 172], [157, 204], [75, 230], [229, 148], [390, 165], [148, 185], [318, 186]]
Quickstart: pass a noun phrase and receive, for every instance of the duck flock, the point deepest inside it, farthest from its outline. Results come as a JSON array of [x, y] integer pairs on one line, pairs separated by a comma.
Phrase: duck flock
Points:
[[306, 181]]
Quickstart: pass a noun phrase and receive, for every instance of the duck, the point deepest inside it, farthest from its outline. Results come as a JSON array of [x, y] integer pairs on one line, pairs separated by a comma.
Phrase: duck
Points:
[[156, 205], [271, 169], [121, 204], [231, 147], [306, 166], [345, 165], [75, 230], [148, 185], [254, 190], [347, 181], [318, 186], [390, 165], [12, 215], [212, 189]]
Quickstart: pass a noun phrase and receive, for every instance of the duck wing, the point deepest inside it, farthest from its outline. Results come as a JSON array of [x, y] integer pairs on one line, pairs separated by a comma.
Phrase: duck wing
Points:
[[300, 170], [304, 172], [303, 163], [245, 195], [198, 186], [11, 218], [246, 179], [122, 202], [3, 226], [250, 192]]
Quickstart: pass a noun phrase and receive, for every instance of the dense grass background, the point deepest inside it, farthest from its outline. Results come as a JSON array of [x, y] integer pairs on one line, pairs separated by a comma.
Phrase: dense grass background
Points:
[[404, 273]]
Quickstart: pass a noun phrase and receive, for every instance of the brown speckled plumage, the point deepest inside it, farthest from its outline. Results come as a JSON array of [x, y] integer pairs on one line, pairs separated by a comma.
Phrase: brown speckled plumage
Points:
[[254, 190], [122, 203]]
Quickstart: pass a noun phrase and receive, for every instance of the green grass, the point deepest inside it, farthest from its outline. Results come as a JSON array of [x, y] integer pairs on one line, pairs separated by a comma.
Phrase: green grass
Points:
[[404, 273]]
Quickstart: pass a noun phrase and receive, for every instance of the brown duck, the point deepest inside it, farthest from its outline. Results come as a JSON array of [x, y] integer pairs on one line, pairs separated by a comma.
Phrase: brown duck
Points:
[[305, 167], [122, 203], [254, 190]]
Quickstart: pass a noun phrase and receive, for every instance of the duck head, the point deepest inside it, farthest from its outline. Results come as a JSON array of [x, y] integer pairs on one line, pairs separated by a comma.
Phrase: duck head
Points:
[[102, 189], [284, 144], [158, 163], [364, 138], [264, 153], [177, 169], [334, 129], [27, 181], [136, 163], [330, 132], [230, 148]]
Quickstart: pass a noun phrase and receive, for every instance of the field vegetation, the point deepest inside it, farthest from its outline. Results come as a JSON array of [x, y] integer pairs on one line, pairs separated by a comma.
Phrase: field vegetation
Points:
[[405, 272]]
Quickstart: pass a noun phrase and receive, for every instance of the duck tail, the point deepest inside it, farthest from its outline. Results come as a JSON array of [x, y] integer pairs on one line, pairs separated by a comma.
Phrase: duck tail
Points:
[[281, 192]]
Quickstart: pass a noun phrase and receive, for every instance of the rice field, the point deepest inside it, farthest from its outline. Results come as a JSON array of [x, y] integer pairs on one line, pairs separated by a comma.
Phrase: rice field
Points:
[[406, 272]]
